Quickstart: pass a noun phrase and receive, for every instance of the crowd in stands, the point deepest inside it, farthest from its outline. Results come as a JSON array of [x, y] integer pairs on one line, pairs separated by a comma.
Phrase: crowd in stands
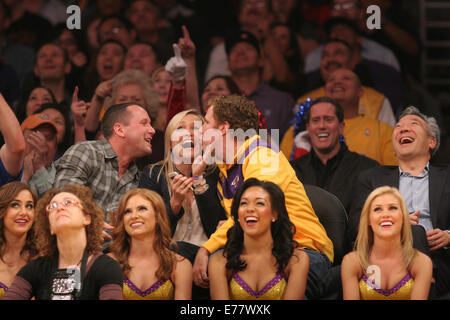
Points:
[[166, 150]]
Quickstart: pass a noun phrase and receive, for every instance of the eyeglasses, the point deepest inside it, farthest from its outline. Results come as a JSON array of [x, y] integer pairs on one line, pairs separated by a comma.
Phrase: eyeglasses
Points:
[[66, 203], [344, 6]]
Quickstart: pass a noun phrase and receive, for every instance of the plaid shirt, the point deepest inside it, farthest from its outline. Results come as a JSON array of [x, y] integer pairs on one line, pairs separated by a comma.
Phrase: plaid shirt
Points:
[[95, 165]]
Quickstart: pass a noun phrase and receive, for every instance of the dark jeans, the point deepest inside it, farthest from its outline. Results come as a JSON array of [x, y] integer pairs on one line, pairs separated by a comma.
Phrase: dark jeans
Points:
[[319, 269]]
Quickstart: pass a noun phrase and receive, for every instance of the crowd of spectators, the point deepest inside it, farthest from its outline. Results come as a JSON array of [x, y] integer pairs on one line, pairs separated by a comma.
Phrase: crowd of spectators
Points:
[[105, 122]]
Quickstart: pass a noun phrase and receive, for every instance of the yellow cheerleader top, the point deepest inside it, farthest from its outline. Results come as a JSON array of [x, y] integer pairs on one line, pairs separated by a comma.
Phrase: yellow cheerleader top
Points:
[[273, 290], [3, 289], [158, 291], [401, 291]]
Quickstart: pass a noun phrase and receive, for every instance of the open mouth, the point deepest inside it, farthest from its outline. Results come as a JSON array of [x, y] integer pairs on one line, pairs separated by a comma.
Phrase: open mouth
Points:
[[136, 224], [386, 223], [148, 140], [251, 221], [333, 66], [337, 89], [187, 144], [21, 221], [108, 68], [406, 140], [323, 135]]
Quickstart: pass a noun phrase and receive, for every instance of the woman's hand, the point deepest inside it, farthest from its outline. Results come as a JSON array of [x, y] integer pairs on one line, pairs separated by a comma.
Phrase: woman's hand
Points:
[[180, 186]]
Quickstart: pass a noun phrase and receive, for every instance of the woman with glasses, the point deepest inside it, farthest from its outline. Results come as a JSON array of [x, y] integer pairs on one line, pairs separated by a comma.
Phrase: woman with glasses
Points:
[[69, 238], [17, 203]]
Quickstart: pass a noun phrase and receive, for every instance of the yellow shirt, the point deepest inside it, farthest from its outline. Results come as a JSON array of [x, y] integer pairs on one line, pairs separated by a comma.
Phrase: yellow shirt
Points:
[[370, 102], [371, 138], [256, 159]]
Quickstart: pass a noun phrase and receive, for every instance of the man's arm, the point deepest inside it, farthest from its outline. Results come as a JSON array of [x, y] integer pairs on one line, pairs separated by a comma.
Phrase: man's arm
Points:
[[74, 166], [12, 152]]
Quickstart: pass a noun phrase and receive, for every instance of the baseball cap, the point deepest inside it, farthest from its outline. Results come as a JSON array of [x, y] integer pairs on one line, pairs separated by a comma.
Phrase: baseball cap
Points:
[[35, 120], [242, 36]]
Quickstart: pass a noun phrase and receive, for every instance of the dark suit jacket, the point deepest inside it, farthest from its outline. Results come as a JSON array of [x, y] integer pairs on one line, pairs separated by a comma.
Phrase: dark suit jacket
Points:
[[439, 193]]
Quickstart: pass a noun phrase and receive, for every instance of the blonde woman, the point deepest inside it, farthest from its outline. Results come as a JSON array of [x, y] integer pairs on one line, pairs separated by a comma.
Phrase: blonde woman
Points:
[[191, 202], [384, 265], [142, 245]]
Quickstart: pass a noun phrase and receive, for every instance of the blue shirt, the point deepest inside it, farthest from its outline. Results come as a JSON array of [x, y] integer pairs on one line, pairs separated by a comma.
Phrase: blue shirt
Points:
[[415, 191], [5, 177]]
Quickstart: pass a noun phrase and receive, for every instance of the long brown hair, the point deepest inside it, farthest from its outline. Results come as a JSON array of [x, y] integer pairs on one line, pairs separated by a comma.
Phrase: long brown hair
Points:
[[46, 242], [121, 244], [7, 194]]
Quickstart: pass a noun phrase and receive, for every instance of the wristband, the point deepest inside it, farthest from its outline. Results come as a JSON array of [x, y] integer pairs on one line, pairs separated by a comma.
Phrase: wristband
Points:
[[198, 183], [201, 189]]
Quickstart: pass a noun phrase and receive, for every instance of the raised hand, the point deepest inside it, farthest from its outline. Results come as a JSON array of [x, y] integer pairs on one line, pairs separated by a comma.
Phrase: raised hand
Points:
[[176, 65], [104, 89], [79, 109], [186, 45]]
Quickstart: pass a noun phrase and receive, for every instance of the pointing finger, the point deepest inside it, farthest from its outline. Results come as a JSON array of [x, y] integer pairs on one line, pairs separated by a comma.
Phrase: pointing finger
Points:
[[186, 34], [75, 95]]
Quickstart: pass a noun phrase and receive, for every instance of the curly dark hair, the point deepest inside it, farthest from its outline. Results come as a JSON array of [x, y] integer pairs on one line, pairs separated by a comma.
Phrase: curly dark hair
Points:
[[46, 242], [282, 229], [7, 194], [238, 111]]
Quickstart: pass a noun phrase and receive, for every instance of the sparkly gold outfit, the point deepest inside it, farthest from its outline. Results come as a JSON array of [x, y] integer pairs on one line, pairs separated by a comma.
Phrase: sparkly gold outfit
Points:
[[158, 291], [273, 290], [3, 289], [401, 291]]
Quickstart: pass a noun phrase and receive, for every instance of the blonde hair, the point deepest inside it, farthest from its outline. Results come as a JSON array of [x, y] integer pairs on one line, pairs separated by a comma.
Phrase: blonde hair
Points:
[[365, 239], [139, 78], [167, 164]]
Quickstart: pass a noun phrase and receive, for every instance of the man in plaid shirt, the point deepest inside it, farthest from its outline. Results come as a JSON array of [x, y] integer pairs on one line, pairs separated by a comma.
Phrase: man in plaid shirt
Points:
[[107, 166]]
